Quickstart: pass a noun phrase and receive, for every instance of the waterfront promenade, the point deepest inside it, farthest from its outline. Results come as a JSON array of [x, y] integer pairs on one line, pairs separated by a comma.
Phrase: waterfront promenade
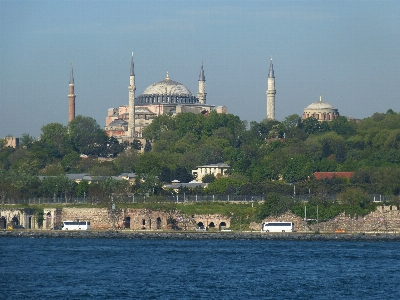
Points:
[[244, 235]]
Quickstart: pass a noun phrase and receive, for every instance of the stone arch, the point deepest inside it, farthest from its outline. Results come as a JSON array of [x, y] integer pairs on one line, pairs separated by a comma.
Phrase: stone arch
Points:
[[14, 221], [48, 220], [222, 225], [200, 224], [211, 225]]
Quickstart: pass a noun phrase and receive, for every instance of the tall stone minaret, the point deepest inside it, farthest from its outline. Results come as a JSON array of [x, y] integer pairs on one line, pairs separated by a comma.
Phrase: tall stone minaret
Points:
[[271, 93], [202, 87], [131, 88], [71, 97]]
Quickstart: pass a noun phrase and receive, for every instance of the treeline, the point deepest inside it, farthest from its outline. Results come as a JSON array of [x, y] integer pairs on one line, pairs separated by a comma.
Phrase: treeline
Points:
[[264, 158]]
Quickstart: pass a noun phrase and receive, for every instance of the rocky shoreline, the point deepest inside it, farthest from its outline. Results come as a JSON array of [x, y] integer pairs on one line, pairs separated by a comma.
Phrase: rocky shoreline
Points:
[[125, 234]]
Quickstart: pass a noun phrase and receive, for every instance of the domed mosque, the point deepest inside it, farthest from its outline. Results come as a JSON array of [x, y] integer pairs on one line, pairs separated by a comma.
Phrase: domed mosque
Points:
[[166, 96], [320, 110]]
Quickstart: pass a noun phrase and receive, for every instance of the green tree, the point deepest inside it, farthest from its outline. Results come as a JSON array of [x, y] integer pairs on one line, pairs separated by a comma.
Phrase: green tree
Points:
[[55, 137], [291, 122], [26, 140], [208, 178], [82, 188], [87, 136], [274, 205], [354, 197], [312, 125], [343, 127], [70, 161], [298, 168]]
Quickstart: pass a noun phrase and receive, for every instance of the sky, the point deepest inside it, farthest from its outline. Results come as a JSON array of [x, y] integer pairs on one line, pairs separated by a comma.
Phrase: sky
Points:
[[346, 51]]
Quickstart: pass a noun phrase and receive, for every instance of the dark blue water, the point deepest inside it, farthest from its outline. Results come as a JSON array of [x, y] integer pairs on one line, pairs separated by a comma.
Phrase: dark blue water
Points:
[[197, 269]]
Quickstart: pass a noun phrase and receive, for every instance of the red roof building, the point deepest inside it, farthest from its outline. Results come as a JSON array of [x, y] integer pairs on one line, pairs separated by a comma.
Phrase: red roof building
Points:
[[330, 175]]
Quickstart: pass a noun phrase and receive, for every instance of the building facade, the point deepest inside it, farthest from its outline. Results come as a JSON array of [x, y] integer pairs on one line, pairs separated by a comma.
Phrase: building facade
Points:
[[214, 169]]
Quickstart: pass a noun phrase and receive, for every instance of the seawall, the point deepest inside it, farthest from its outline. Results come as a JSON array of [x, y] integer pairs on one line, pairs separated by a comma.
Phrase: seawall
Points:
[[128, 234]]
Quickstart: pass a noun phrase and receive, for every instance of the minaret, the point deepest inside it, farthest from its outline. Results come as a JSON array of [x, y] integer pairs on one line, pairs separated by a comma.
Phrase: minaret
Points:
[[202, 87], [131, 88], [71, 97], [271, 93]]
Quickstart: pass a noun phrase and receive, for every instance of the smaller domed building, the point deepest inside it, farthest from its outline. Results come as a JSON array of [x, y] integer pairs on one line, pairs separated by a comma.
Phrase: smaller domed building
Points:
[[321, 110]]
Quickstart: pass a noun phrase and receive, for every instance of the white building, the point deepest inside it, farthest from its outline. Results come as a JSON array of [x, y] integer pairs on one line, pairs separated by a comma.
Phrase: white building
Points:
[[215, 169]]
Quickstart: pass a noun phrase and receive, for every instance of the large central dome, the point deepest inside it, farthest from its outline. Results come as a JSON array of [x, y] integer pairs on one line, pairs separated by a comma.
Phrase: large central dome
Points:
[[167, 87]]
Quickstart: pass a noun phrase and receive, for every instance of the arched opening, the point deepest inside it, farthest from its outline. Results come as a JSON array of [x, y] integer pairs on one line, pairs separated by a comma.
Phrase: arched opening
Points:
[[48, 220], [14, 221], [128, 222], [158, 226], [200, 224], [222, 225], [3, 222], [211, 225]]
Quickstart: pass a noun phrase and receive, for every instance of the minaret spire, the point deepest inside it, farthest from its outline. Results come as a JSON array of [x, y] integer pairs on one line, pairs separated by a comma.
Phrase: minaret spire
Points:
[[201, 95], [71, 76], [132, 67], [131, 107], [71, 96], [271, 92]]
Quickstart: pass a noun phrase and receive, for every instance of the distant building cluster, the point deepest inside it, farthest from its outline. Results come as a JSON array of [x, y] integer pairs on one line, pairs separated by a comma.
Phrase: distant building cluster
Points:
[[127, 122]]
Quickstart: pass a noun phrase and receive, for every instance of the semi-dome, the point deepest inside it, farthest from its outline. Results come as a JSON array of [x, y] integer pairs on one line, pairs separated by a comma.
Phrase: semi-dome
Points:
[[167, 87]]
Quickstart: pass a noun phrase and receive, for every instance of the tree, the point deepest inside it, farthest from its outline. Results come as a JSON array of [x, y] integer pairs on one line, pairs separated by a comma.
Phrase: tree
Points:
[[26, 140], [355, 197], [70, 161], [343, 127], [312, 125], [208, 178], [275, 205], [298, 168], [182, 174], [55, 136], [87, 136], [291, 121], [82, 188]]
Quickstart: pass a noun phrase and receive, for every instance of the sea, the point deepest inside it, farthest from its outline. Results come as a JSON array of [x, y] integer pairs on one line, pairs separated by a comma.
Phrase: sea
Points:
[[87, 268]]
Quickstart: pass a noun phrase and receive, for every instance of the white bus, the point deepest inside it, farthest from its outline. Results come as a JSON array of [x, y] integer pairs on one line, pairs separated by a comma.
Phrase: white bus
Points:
[[278, 227], [76, 225]]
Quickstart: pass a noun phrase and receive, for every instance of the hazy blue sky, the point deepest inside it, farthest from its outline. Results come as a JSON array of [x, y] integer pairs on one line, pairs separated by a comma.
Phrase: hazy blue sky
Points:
[[348, 51]]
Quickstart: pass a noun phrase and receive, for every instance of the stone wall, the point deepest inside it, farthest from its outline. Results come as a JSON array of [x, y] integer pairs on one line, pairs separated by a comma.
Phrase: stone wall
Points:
[[20, 217], [100, 218], [286, 217], [212, 221], [383, 219]]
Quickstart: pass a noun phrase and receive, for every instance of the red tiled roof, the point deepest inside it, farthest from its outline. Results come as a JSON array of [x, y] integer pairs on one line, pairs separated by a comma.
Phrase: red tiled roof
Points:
[[330, 175]]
